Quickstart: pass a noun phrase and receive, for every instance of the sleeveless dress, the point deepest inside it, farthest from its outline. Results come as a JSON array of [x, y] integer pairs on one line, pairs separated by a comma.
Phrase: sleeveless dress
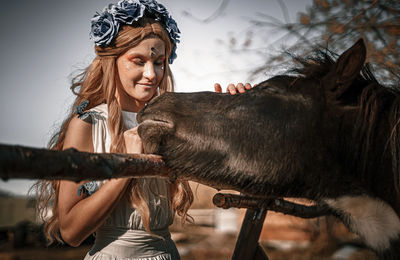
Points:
[[122, 235]]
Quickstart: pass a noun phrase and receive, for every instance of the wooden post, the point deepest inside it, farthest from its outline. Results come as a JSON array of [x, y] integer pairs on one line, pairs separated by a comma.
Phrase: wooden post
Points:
[[247, 246]]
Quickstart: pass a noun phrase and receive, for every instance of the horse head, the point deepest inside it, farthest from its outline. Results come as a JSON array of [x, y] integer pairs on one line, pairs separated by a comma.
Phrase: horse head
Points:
[[327, 131]]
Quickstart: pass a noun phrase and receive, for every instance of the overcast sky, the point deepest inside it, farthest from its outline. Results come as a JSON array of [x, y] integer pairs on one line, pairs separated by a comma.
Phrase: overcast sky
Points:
[[44, 41]]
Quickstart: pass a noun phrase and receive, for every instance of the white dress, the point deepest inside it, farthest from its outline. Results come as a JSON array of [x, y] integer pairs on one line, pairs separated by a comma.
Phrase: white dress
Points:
[[122, 235]]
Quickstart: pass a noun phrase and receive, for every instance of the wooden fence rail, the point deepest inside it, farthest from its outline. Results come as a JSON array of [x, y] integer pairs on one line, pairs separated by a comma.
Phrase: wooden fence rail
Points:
[[19, 162]]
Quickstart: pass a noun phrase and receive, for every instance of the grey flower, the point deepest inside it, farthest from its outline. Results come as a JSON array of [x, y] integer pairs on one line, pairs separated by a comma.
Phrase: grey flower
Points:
[[80, 110], [173, 55], [88, 188], [150, 4], [128, 11], [154, 7], [173, 31], [104, 28], [172, 28]]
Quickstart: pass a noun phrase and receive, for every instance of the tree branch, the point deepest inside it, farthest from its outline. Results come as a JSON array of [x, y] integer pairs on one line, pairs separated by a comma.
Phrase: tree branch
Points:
[[217, 13]]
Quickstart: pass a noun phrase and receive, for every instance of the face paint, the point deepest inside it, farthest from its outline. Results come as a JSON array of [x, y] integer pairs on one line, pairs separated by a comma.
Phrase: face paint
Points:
[[128, 65], [140, 71], [153, 52]]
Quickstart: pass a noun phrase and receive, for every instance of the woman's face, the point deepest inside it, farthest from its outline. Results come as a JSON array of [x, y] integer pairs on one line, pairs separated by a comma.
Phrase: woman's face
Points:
[[140, 71]]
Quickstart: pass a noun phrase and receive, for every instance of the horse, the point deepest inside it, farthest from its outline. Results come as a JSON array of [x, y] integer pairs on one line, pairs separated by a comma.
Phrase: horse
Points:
[[327, 131]]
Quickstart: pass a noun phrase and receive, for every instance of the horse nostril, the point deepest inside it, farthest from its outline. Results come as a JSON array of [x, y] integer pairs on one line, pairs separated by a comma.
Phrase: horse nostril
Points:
[[155, 126], [152, 132]]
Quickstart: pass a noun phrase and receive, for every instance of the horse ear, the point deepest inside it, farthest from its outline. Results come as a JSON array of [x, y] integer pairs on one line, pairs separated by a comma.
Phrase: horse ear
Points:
[[348, 67]]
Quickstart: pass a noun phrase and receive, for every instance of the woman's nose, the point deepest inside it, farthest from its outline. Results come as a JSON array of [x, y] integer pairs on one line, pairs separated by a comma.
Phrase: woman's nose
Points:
[[149, 71]]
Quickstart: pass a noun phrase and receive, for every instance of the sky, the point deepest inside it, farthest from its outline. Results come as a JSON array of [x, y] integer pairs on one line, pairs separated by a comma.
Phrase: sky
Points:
[[44, 42]]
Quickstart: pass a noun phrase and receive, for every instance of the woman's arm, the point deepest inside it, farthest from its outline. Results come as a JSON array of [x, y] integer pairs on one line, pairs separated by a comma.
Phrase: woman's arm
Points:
[[80, 216]]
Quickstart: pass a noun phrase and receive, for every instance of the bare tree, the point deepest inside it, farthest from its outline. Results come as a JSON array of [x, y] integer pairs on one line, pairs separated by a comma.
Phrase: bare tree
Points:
[[334, 25]]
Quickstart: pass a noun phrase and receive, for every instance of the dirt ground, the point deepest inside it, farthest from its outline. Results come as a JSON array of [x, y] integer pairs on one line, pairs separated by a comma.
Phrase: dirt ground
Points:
[[283, 238], [196, 243]]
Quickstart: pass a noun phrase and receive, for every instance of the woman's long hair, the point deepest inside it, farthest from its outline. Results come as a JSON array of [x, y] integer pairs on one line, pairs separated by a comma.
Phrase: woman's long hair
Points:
[[97, 84]]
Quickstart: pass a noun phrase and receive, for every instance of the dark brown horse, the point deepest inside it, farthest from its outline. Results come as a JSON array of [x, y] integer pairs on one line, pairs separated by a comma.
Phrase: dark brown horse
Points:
[[327, 132]]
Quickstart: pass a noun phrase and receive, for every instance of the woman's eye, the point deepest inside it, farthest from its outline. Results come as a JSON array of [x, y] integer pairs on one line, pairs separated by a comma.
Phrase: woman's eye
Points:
[[138, 61]]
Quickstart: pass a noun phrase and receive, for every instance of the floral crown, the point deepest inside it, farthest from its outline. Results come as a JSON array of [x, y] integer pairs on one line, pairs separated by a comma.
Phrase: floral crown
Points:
[[105, 25]]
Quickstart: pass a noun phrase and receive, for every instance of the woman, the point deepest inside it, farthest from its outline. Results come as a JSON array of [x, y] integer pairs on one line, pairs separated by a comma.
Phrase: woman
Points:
[[135, 40]]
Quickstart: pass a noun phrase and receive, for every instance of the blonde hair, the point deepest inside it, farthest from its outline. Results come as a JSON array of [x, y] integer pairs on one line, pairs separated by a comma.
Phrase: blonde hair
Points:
[[97, 83]]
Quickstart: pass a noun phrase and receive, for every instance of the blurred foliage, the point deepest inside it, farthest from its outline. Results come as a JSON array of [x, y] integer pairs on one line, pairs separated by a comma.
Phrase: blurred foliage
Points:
[[334, 25]]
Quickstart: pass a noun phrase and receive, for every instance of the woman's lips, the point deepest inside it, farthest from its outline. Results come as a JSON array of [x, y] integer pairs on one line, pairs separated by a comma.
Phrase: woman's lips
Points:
[[145, 85]]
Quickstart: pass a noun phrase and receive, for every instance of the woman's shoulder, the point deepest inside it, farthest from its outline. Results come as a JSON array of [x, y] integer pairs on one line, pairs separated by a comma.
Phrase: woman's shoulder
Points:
[[80, 129], [78, 135], [88, 131]]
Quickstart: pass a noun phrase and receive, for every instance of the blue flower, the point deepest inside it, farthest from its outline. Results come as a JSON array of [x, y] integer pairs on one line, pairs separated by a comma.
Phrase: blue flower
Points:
[[150, 4], [104, 28], [154, 7], [173, 55], [79, 109], [159, 8], [128, 11], [88, 188], [172, 28]]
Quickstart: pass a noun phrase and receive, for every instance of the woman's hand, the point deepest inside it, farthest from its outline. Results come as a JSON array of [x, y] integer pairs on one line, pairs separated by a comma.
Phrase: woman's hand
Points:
[[133, 143], [232, 88]]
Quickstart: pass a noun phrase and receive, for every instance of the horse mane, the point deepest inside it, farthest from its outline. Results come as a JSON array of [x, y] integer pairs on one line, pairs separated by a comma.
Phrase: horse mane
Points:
[[378, 106]]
